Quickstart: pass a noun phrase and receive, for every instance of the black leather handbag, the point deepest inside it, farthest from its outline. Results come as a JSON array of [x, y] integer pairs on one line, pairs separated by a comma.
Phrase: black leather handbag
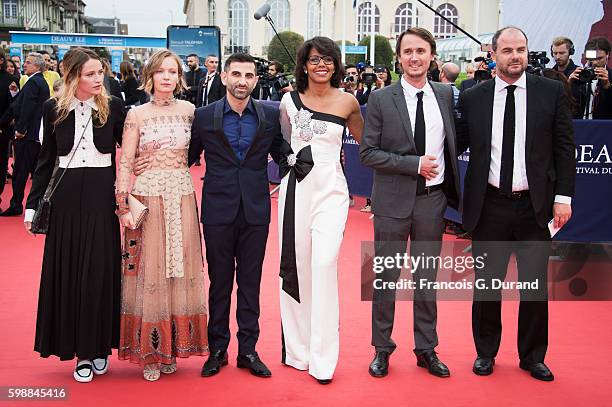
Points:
[[40, 221]]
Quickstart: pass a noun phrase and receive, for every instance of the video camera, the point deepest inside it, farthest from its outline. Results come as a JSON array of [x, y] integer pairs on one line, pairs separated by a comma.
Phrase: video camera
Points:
[[483, 75], [537, 61], [368, 73], [278, 81]]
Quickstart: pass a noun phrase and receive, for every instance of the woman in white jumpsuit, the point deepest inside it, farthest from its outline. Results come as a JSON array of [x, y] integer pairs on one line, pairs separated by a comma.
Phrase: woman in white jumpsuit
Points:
[[313, 207]]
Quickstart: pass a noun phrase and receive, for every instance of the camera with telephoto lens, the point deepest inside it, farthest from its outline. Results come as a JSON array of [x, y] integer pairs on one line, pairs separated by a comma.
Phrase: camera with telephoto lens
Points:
[[537, 61], [588, 72]]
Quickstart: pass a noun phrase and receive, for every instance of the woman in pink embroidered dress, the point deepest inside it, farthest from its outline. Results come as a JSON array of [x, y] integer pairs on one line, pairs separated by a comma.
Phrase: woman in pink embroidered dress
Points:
[[163, 308]]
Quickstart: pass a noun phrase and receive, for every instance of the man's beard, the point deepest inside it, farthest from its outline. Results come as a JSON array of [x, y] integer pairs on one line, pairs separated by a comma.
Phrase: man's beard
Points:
[[237, 95]]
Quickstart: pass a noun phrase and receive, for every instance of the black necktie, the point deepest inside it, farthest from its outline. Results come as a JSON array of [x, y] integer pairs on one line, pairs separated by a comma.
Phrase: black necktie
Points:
[[205, 98], [507, 158], [419, 138]]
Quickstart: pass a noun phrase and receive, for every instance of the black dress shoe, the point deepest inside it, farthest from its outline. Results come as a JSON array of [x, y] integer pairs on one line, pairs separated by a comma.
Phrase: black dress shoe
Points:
[[214, 363], [324, 381], [483, 366], [254, 364], [538, 370], [12, 211], [430, 361], [380, 364]]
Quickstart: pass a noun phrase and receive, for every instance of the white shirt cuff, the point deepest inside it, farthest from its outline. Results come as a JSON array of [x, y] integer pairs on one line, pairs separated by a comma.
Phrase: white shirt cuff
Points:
[[562, 199], [29, 215], [14, 92], [419, 168]]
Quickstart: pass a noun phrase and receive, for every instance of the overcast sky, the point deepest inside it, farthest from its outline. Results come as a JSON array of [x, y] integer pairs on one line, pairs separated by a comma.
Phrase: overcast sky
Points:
[[144, 17]]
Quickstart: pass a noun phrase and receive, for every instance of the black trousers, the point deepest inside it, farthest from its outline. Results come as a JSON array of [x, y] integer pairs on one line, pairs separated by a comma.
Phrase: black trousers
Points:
[[26, 157], [506, 226], [237, 249]]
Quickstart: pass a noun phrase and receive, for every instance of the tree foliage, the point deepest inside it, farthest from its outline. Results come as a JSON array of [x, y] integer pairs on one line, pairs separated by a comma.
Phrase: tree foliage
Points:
[[277, 52], [384, 52]]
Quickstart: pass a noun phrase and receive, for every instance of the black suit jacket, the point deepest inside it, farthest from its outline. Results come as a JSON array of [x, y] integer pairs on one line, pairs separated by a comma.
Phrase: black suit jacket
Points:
[[59, 139], [133, 95], [550, 150], [192, 79], [28, 106], [217, 90], [229, 182], [603, 102], [113, 87]]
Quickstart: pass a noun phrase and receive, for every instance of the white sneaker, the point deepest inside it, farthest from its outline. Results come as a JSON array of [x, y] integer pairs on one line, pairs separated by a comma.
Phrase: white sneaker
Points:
[[100, 365], [83, 372]]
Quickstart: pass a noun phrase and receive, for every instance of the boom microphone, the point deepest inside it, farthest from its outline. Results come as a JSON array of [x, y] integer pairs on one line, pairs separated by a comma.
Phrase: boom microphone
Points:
[[262, 11]]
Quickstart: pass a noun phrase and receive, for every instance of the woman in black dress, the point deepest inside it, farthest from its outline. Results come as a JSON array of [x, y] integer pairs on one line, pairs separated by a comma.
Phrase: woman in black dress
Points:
[[79, 298], [129, 84]]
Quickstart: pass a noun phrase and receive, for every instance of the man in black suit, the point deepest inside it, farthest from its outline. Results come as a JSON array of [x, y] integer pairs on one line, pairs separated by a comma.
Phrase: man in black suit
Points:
[[8, 90], [520, 175], [599, 96], [236, 133], [211, 87], [27, 110], [193, 77]]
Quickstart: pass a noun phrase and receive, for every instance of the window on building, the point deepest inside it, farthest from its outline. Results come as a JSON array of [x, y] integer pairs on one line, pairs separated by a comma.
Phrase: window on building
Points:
[[313, 18], [406, 16], [365, 14], [238, 26], [443, 29], [10, 9], [212, 10], [279, 13]]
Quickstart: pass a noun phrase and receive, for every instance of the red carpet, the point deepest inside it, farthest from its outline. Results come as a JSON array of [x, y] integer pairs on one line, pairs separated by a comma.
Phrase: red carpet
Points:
[[579, 351]]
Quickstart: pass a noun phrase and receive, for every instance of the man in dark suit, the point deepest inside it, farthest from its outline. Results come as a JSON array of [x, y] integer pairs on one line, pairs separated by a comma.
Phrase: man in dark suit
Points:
[[520, 175], [193, 77], [8, 90], [27, 110], [599, 97], [236, 133], [409, 141], [211, 87]]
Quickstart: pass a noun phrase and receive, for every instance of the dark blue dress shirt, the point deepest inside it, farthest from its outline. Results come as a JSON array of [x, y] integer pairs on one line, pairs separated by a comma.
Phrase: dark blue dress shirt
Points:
[[240, 130]]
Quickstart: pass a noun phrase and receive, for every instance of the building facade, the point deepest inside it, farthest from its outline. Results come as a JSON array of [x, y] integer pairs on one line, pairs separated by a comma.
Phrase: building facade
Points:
[[338, 19], [42, 15]]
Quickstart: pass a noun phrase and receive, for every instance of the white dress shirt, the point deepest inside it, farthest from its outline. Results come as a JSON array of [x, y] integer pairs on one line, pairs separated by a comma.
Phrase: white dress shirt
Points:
[[519, 173], [208, 80], [434, 126], [87, 155]]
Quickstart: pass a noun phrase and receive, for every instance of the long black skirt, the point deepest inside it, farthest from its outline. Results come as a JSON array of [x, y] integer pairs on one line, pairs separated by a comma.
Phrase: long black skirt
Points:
[[80, 286]]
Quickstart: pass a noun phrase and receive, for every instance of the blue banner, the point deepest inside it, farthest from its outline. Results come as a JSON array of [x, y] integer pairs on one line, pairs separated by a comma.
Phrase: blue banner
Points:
[[61, 52], [202, 41], [591, 219], [116, 59], [16, 51], [86, 40]]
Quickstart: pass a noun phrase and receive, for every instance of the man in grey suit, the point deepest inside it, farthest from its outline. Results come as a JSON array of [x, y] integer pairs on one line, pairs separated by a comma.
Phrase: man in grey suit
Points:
[[409, 141]]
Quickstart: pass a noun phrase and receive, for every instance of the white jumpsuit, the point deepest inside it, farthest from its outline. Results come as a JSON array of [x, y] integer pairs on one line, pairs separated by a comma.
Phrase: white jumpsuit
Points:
[[310, 327]]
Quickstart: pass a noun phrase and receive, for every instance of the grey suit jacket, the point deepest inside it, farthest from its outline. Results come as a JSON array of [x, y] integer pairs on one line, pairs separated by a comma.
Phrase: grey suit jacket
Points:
[[388, 147]]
